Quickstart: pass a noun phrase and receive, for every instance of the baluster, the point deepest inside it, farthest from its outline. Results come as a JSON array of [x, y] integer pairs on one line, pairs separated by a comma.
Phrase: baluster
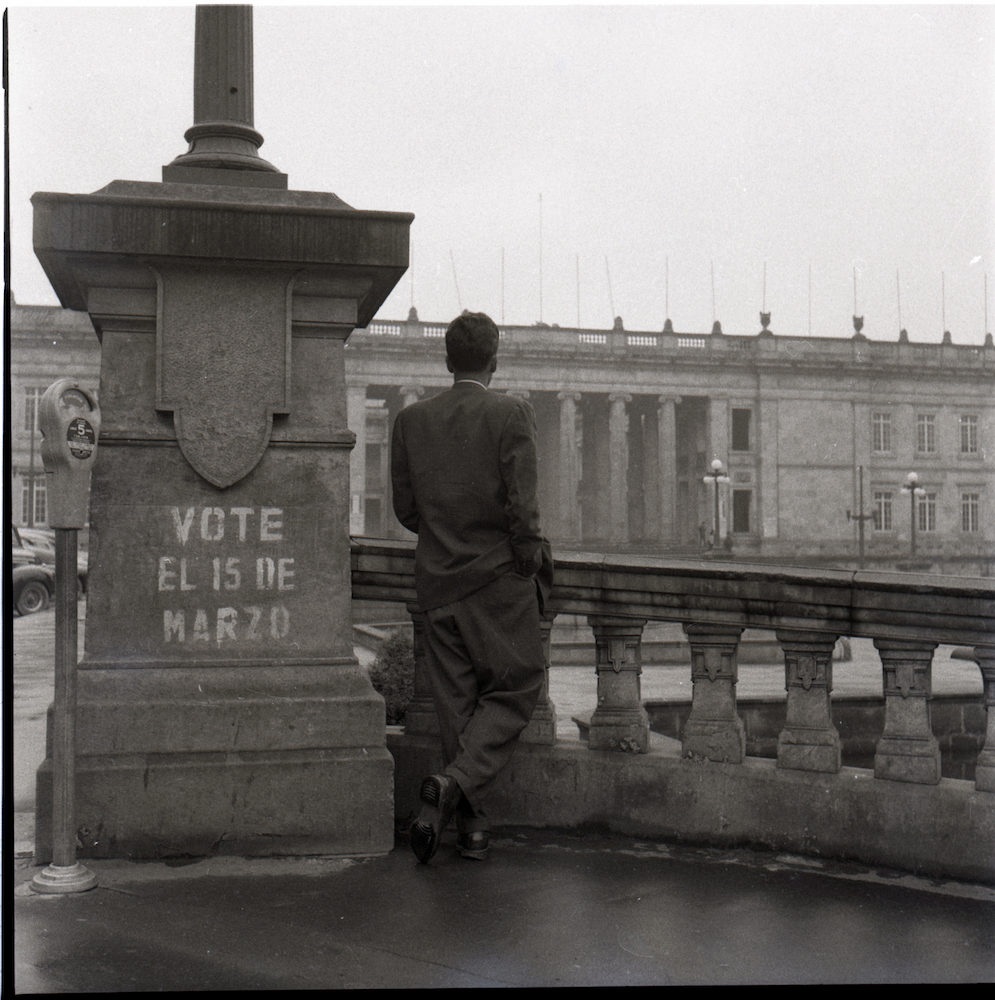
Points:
[[809, 740], [542, 725], [619, 722], [419, 717], [714, 729], [907, 750], [984, 778]]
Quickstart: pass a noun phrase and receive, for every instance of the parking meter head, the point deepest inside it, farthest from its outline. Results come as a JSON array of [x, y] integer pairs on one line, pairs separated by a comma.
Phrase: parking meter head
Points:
[[69, 419]]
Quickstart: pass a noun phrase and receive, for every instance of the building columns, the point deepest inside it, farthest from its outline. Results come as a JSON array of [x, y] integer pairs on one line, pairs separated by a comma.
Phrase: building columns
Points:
[[569, 478], [667, 464], [410, 394], [356, 421], [618, 468]]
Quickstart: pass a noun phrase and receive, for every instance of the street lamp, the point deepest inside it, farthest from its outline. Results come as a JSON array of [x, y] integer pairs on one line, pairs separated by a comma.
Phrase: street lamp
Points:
[[716, 476], [914, 490]]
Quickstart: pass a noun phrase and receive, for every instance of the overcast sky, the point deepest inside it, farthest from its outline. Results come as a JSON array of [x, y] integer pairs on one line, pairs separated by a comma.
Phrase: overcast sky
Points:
[[604, 148]]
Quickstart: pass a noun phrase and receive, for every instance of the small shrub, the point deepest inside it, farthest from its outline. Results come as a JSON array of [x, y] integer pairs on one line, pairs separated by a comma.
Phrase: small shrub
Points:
[[393, 675]]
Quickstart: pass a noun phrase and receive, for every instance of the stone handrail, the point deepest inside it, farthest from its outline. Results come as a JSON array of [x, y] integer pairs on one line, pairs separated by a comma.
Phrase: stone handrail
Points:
[[942, 609], [906, 615]]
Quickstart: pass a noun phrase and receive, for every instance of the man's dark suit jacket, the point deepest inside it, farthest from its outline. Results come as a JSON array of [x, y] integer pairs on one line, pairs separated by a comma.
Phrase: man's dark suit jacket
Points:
[[463, 466]]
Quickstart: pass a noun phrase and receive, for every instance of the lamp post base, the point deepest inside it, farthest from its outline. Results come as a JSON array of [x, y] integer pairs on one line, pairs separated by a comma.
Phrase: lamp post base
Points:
[[64, 879]]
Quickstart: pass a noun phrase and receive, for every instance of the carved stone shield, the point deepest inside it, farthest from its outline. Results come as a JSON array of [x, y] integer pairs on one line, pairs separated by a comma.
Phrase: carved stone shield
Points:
[[223, 363]]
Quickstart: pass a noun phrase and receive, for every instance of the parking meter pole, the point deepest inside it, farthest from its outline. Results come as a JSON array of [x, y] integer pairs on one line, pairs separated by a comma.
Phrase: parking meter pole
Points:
[[64, 874], [70, 421]]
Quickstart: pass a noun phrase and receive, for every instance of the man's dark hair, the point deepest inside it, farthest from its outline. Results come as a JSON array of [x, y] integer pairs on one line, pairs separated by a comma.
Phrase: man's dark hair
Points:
[[471, 342]]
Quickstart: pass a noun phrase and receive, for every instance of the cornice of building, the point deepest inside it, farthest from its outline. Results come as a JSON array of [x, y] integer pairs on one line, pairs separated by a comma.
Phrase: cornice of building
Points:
[[27, 320], [764, 350]]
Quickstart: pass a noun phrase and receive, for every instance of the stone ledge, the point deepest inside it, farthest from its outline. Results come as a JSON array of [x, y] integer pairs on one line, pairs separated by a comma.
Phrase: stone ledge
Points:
[[944, 831]]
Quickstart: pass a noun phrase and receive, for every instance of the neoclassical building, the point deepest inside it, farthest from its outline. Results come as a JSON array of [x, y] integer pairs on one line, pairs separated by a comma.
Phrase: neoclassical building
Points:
[[631, 422], [811, 433]]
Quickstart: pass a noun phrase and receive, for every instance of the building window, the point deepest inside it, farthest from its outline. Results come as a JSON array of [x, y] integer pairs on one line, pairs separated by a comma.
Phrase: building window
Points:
[[741, 510], [969, 511], [969, 435], [40, 500], [31, 397], [741, 429], [927, 513], [926, 434], [882, 511], [881, 427]]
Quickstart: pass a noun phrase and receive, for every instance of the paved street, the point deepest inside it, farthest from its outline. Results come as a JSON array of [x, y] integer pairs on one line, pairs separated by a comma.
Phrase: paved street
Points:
[[547, 909]]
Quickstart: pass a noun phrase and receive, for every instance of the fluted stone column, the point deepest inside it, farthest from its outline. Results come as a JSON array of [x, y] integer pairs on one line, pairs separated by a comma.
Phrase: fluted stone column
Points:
[[718, 428], [667, 465], [547, 414], [618, 467], [620, 721], [984, 778], [809, 740], [714, 729], [907, 751], [356, 417], [408, 394], [542, 726], [420, 718], [569, 478], [222, 136], [595, 471]]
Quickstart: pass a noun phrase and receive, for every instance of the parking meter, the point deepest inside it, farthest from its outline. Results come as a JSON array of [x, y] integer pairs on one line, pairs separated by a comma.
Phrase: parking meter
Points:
[[69, 418], [70, 422]]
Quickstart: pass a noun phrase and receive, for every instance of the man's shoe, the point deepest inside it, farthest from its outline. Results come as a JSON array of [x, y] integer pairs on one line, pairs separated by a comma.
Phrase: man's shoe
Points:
[[439, 794], [473, 845]]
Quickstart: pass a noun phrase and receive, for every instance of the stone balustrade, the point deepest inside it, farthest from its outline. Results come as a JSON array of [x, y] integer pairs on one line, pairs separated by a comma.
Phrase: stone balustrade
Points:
[[722, 348], [906, 615]]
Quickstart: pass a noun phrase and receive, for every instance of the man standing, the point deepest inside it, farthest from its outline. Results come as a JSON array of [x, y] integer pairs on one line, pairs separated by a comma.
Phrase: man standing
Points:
[[463, 466]]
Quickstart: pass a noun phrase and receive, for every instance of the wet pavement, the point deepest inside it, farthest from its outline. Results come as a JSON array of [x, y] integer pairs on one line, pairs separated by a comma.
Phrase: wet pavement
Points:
[[546, 909]]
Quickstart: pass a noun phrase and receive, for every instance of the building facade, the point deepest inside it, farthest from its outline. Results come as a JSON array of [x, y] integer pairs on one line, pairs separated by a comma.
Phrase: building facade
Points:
[[816, 437], [46, 343]]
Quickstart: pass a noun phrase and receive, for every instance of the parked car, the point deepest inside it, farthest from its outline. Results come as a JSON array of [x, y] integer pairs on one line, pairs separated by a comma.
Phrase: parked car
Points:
[[33, 587], [41, 541], [20, 553]]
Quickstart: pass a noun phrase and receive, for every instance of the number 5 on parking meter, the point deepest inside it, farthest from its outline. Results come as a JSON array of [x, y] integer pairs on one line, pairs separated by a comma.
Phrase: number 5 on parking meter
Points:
[[70, 422]]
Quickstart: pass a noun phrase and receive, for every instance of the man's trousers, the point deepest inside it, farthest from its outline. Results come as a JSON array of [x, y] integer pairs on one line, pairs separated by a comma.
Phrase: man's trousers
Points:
[[486, 670]]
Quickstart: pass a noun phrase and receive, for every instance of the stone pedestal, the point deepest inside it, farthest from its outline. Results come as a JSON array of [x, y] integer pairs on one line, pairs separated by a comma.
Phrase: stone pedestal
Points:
[[542, 726], [907, 750], [809, 740], [221, 708], [620, 721], [984, 776], [420, 717], [714, 729]]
